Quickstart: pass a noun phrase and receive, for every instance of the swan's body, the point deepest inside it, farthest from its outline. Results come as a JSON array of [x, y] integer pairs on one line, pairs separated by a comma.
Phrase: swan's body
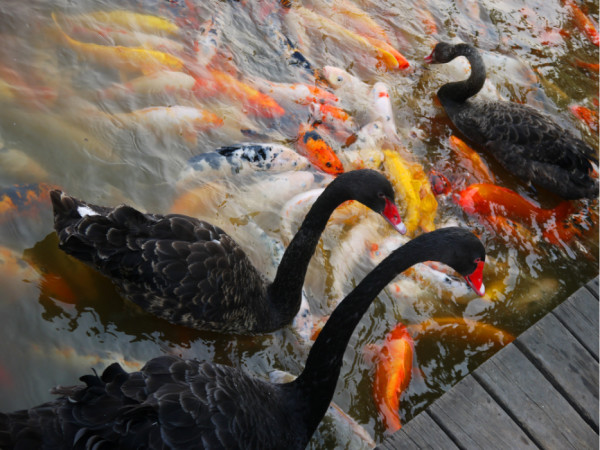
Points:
[[184, 404], [192, 273], [526, 142]]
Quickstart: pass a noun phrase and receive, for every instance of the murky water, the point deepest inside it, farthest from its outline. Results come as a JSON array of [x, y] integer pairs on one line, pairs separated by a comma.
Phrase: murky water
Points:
[[67, 119]]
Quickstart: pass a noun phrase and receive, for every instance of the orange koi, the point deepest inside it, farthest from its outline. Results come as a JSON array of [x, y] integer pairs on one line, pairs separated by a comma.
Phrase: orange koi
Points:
[[586, 115], [214, 82], [400, 58], [24, 200], [471, 160], [56, 287], [427, 20], [583, 22], [491, 200], [392, 374], [312, 145], [476, 332], [592, 67], [130, 59]]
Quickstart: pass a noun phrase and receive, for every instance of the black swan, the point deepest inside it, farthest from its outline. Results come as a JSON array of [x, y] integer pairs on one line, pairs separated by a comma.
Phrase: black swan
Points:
[[192, 273], [526, 142], [183, 404]]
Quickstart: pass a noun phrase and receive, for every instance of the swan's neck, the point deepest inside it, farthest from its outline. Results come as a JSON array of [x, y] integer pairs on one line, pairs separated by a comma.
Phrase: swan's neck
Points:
[[460, 91], [285, 292], [316, 385]]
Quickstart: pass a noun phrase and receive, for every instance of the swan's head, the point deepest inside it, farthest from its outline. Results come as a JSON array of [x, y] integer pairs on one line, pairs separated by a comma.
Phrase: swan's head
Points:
[[466, 254], [373, 189], [443, 52]]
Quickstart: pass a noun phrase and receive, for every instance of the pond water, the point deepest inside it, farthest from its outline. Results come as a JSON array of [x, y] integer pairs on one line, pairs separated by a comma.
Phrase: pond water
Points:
[[73, 115]]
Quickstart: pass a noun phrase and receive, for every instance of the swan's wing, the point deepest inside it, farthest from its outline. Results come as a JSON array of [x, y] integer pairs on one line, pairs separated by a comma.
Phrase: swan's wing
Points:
[[533, 134], [177, 267]]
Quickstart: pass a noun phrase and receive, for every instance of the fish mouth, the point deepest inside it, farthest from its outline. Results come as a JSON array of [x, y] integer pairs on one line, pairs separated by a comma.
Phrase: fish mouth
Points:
[[391, 214], [475, 280]]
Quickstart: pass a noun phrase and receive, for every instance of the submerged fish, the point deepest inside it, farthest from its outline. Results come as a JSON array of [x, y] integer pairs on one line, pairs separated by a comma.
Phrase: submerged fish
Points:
[[242, 158], [129, 20], [491, 200], [586, 115], [470, 160], [475, 332], [184, 121], [130, 59], [160, 82], [392, 374], [382, 106], [583, 22]]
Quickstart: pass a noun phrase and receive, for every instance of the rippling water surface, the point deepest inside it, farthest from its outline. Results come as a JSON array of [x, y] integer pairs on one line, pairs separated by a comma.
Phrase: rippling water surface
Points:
[[69, 118]]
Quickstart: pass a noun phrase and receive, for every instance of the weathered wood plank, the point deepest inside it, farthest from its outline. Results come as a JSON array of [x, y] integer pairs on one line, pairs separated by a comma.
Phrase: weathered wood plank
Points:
[[420, 432], [593, 287], [534, 403], [565, 362], [579, 314], [472, 418]]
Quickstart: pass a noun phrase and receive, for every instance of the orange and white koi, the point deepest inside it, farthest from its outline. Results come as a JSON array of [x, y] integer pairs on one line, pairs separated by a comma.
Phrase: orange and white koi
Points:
[[583, 22], [470, 159], [477, 333], [300, 93], [338, 121], [586, 115], [210, 83], [184, 121], [394, 362], [14, 87], [313, 146], [491, 200], [130, 59]]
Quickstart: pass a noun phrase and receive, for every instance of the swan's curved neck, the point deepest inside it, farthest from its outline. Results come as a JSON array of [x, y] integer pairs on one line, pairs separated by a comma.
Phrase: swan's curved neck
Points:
[[460, 91], [316, 384], [286, 290]]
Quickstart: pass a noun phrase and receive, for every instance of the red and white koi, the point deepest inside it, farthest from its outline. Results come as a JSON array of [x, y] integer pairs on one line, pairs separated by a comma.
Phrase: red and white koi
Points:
[[382, 106], [583, 22]]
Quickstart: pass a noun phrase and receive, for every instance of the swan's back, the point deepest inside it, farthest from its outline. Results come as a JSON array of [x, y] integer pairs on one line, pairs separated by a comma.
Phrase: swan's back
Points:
[[174, 266], [529, 144], [170, 403]]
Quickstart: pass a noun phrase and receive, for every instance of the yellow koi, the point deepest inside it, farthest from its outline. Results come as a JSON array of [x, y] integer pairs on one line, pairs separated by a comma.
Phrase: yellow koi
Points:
[[400, 175], [122, 58], [131, 20]]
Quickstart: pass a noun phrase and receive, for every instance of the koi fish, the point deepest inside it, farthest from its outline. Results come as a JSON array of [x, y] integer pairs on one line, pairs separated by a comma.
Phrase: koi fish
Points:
[[340, 79], [207, 42], [24, 200], [185, 121], [122, 58], [300, 93], [214, 82], [392, 374], [367, 138], [412, 184], [470, 159], [586, 115], [477, 333], [382, 106], [491, 200], [17, 165], [335, 119], [322, 24], [440, 185], [583, 22], [313, 146], [159, 82], [242, 158], [129, 20], [592, 67], [13, 87]]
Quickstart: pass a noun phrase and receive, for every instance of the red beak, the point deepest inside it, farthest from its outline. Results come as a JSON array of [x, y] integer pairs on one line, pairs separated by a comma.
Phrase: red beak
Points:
[[475, 280], [429, 59], [391, 214]]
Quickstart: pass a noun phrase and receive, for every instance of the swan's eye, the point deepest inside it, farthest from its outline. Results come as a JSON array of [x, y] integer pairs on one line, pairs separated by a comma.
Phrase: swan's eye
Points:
[[381, 195]]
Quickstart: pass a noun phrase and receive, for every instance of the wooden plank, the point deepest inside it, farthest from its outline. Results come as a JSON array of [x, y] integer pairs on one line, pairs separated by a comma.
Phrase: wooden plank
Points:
[[579, 314], [593, 287], [420, 432], [473, 419], [529, 397], [565, 362]]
